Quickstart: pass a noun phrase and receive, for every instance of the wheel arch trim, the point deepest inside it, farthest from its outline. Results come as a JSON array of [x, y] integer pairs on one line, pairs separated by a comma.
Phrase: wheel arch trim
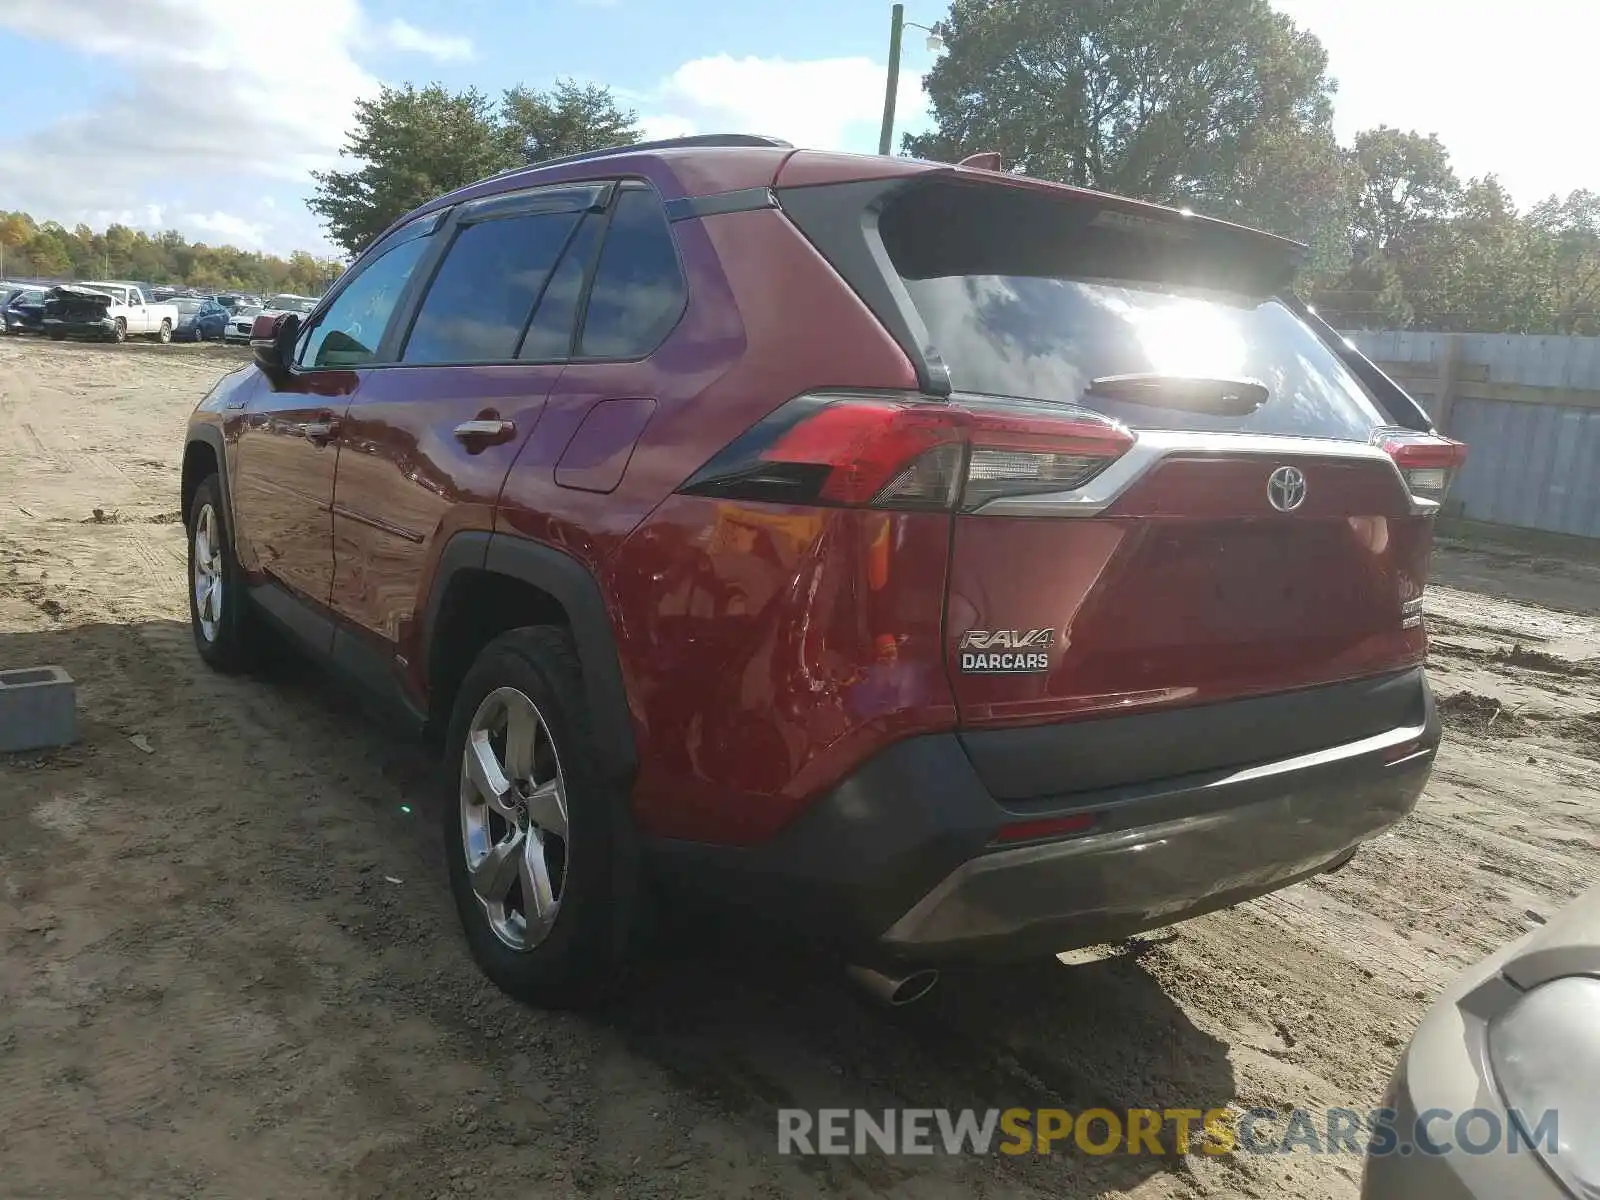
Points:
[[573, 586], [210, 435]]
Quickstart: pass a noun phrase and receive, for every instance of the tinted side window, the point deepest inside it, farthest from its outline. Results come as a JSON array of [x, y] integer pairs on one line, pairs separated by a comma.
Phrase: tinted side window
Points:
[[638, 290], [480, 300], [350, 330], [549, 336]]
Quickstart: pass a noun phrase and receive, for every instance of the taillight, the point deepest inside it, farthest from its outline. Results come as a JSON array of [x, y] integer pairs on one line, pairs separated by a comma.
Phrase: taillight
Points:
[[1427, 462], [909, 452]]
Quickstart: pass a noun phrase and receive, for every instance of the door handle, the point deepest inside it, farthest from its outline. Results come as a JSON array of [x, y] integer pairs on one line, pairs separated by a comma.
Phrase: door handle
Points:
[[320, 433], [485, 432]]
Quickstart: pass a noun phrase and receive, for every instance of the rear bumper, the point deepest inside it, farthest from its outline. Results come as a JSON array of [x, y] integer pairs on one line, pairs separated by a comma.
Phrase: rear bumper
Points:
[[902, 863], [81, 329]]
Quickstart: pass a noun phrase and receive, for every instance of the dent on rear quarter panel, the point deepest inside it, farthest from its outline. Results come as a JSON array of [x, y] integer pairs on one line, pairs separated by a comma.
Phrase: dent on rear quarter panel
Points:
[[771, 649], [768, 648]]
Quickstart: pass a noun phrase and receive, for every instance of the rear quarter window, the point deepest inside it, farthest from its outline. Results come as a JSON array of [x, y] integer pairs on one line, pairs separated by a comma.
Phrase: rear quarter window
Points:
[[639, 291]]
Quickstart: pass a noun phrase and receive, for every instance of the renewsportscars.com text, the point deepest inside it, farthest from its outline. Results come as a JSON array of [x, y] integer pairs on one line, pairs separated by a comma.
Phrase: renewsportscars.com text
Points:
[[1160, 1131]]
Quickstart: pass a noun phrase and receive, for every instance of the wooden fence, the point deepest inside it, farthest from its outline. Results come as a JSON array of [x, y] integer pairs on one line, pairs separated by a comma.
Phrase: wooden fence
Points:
[[1528, 409]]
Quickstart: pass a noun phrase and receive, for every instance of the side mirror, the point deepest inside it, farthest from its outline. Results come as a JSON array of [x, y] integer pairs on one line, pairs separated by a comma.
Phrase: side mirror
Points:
[[272, 342]]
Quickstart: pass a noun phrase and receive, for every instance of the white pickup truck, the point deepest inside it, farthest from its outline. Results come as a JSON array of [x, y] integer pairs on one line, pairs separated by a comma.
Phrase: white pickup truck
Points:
[[115, 311]]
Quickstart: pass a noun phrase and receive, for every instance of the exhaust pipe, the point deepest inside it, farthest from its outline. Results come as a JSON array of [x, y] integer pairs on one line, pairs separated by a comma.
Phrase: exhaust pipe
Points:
[[894, 990]]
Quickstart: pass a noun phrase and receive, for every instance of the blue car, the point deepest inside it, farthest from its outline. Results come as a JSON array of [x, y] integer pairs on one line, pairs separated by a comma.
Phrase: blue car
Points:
[[199, 320], [23, 310]]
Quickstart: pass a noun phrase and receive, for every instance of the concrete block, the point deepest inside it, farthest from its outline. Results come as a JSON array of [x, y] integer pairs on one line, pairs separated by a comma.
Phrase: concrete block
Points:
[[38, 708]]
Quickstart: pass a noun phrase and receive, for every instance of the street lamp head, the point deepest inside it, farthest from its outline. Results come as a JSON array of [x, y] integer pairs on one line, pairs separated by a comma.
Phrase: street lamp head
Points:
[[935, 44]]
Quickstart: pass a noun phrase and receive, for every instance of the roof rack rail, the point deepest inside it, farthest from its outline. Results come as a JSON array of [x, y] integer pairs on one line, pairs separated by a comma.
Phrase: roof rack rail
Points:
[[692, 141]]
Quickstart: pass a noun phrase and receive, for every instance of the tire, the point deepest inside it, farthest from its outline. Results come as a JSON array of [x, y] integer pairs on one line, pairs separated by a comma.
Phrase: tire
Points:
[[579, 959], [58, 337], [119, 331], [164, 334], [228, 634]]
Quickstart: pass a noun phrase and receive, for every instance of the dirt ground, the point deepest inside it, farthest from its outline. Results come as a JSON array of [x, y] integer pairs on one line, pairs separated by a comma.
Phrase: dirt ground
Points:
[[229, 965]]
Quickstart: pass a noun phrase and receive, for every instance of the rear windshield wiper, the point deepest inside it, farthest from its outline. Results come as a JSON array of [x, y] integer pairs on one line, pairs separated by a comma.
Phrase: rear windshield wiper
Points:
[[1223, 397]]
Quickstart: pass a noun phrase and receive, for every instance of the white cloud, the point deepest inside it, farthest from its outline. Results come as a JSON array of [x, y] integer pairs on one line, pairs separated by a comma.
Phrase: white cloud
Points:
[[211, 100], [228, 228], [666, 127], [445, 47], [826, 103], [221, 118]]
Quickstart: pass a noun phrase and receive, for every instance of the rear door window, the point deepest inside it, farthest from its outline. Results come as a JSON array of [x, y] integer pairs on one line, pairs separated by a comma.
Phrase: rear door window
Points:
[[639, 290], [481, 299]]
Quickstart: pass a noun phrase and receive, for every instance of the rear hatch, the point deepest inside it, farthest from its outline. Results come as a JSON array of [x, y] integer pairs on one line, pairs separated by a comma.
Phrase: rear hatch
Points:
[[1232, 527], [76, 304]]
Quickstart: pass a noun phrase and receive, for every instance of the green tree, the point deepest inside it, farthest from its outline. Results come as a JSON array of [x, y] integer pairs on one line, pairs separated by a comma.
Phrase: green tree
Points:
[[1405, 194], [1298, 182], [51, 251], [1170, 100], [48, 251], [1407, 185], [569, 118], [1565, 253], [411, 144], [1479, 270]]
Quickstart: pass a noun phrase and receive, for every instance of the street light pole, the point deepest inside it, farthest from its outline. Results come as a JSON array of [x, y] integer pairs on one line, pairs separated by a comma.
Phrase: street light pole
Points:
[[897, 28]]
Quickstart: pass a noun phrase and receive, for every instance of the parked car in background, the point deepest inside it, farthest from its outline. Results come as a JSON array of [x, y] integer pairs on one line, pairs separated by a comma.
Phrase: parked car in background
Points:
[[240, 322], [199, 320], [1514, 1039], [946, 564], [24, 310], [287, 303], [111, 311]]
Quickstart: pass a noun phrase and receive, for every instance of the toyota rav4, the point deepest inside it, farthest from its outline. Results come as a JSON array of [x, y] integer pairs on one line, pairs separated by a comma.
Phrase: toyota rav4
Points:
[[944, 563]]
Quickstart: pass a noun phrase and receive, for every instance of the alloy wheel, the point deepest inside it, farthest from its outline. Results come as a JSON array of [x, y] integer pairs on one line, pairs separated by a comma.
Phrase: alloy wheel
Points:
[[208, 572], [514, 818]]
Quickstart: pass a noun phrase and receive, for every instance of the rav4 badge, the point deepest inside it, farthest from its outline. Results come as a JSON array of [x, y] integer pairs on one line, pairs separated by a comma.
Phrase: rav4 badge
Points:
[[1006, 651]]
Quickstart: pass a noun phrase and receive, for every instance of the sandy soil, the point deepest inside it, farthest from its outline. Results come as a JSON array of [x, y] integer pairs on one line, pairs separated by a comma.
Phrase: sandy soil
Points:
[[230, 967]]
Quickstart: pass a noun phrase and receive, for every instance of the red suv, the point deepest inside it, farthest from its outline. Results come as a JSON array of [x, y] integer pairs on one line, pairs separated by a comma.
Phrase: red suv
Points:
[[945, 563]]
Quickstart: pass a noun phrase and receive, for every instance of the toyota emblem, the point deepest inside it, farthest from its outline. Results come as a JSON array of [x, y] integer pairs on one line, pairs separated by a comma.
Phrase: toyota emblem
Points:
[[1286, 489]]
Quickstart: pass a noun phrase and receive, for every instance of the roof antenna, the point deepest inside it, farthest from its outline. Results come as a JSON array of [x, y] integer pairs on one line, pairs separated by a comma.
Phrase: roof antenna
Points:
[[989, 160]]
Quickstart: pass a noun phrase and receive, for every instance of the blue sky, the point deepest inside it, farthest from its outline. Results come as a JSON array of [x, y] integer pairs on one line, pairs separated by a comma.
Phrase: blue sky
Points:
[[207, 117]]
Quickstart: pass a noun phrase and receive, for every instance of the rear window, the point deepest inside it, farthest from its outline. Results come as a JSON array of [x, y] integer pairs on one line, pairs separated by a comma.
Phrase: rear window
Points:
[[1047, 338], [1033, 297]]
